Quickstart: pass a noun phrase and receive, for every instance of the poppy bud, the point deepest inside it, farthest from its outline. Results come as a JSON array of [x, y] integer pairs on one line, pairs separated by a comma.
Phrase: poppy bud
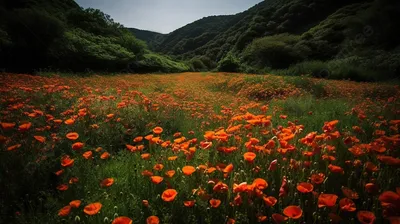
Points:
[[77, 218], [115, 215], [106, 220]]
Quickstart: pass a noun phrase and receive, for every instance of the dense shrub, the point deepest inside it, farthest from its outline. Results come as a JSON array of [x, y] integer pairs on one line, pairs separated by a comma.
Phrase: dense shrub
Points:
[[229, 64], [273, 51]]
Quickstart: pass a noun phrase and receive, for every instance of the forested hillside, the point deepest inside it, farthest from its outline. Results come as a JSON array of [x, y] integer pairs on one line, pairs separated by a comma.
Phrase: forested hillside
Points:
[[349, 39], [59, 35]]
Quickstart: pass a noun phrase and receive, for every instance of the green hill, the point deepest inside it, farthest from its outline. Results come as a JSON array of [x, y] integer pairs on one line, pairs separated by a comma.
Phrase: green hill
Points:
[[60, 35], [346, 38]]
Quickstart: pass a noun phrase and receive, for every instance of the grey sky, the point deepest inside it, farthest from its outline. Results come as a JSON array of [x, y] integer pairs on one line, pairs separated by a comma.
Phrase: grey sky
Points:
[[165, 15]]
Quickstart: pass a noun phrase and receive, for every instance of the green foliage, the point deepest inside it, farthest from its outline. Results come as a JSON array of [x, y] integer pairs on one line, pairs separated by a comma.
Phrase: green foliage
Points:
[[278, 34], [202, 63], [273, 51], [59, 35], [229, 64], [158, 63]]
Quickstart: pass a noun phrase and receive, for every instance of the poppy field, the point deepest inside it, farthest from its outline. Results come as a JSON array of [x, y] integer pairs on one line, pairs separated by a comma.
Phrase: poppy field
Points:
[[198, 148]]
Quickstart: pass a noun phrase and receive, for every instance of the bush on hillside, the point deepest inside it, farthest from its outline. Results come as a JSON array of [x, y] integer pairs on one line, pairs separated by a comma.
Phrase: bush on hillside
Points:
[[229, 64], [276, 52]]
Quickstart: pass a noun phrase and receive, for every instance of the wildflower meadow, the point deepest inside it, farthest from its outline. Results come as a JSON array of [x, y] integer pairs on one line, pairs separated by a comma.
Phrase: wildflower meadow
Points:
[[198, 148]]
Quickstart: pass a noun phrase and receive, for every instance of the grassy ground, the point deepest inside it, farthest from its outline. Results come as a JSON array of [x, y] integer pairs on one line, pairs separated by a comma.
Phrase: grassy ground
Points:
[[295, 126]]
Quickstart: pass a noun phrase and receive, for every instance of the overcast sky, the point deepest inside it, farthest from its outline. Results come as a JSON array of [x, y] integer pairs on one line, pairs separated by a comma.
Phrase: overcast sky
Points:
[[165, 15]]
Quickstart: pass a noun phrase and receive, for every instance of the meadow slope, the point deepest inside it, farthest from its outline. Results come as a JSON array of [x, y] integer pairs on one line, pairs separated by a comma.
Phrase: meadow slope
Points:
[[198, 148]]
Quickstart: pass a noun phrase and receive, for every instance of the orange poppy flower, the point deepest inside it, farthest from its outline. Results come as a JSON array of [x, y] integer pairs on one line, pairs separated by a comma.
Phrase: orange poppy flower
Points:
[[24, 127], [260, 184], [152, 220], [147, 173], [347, 204], [305, 187], [228, 168], [157, 130], [122, 220], [13, 147], [109, 116], [158, 167], [188, 170], [293, 212], [87, 155], [328, 200], [145, 156], [138, 139], [64, 211], [66, 161], [215, 203], [92, 209], [62, 187], [169, 195], [77, 146], [335, 169], [170, 173], [249, 156], [57, 121], [156, 179], [72, 136], [105, 155], [75, 203], [7, 126], [366, 217], [107, 182], [40, 139], [189, 204], [69, 121], [278, 218], [270, 201], [172, 158]]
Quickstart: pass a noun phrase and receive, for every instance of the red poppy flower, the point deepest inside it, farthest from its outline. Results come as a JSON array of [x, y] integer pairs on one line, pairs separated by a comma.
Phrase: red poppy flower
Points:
[[215, 203], [152, 220], [347, 204], [328, 200], [72, 136], [366, 217], [122, 220], [157, 130], [64, 211], [293, 212], [75, 203], [249, 156], [156, 179], [77, 146], [92, 209], [305, 187], [188, 170], [107, 182], [189, 204], [169, 195], [270, 201]]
